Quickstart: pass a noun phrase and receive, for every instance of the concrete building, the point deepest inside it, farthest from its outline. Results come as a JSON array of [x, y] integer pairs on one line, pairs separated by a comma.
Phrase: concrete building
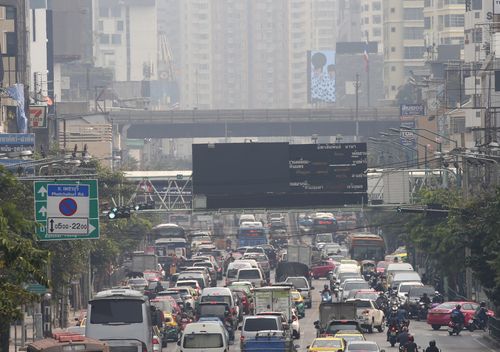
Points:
[[372, 26], [348, 14], [127, 38], [443, 23], [404, 48]]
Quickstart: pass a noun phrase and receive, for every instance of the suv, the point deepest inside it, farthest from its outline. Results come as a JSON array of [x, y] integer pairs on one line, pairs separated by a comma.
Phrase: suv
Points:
[[253, 275], [211, 270], [253, 324], [262, 260], [302, 285]]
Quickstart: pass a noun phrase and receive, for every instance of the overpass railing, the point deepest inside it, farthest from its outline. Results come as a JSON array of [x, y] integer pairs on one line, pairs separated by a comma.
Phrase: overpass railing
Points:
[[275, 115]]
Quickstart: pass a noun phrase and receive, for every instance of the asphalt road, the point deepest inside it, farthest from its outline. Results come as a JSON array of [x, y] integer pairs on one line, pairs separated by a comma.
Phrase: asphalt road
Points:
[[423, 333]]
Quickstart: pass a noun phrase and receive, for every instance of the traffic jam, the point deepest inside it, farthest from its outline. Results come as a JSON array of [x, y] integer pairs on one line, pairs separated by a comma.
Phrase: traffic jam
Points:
[[329, 287]]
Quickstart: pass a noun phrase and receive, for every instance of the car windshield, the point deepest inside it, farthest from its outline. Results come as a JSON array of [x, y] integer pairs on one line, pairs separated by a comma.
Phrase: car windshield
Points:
[[191, 284], [203, 341], [259, 324], [406, 288], [174, 295], [214, 310], [356, 285], [366, 295], [298, 282], [163, 305], [327, 343], [325, 237], [109, 311], [137, 282], [340, 327], [447, 305], [249, 274], [363, 304], [220, 299], [419, 291], [363, 347], [350, 338]]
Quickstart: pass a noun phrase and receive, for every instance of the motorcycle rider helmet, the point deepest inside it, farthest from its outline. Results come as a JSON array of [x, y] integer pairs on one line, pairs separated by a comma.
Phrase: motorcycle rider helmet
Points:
[[432, 343], [458, 306], [482, 304], [411, 338], [326, 287]]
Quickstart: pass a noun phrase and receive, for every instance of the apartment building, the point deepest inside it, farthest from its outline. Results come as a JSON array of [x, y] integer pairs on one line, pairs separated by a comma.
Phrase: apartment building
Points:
[[372, 26], [404, 48], [443, 23], [126, 38], [348, 14]]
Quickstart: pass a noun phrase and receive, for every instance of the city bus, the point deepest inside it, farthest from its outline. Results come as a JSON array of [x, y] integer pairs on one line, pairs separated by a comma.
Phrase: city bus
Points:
[[168, 231], [366, 246], [251, 233], [168, 247]]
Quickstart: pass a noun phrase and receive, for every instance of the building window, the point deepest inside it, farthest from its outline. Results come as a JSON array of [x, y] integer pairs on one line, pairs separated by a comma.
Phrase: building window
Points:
[[393, 49], [393, 10], [414, 52], [377, 19], [11, 43], [377, 32], [376, 6], [103, 12], [116, 39], [477, 35], [454, 2], [454, 20], [393, 29], [393, 68], [428, 3], [104, 38], [119, 26], [367, 20], [100, 25], [393, 88], [116, 12], [414, 33], [476, 4], [413, 14], [10, 13], [427, 22]]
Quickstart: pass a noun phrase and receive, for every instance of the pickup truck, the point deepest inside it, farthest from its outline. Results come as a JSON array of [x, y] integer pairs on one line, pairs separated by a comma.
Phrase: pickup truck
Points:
[[336, 313], [269, 341]]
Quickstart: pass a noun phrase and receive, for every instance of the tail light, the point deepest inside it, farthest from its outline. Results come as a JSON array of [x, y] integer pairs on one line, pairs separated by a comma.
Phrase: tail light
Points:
[[294, 318], [156, 341], [242, 338], [144, 347], [366, 312]]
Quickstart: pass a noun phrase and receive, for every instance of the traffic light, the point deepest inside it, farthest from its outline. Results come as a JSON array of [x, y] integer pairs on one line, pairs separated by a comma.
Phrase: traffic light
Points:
[[144, 206], [119, 213]]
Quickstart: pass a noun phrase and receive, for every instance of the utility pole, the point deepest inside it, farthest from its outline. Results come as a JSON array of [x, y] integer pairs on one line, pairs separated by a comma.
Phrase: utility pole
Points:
[[357, 85]]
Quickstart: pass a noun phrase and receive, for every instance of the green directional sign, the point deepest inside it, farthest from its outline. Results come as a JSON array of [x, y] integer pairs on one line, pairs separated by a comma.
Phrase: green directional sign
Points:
[[66, 209], [36, 289]]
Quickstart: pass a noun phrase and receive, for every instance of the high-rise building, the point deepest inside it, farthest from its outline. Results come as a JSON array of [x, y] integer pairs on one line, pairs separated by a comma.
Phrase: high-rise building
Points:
[[404, 48], [127, 38], [372, 27], [348, 14], [443, 23]]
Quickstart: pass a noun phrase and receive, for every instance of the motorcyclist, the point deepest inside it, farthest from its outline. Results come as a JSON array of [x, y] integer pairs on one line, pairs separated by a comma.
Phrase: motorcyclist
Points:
[[402, 316], [457, 316], [432, 347], [425, 299], [381, 300], [411, 346], [481, 314], [326, 292], [159, 287], [403, 338], [438, 298]]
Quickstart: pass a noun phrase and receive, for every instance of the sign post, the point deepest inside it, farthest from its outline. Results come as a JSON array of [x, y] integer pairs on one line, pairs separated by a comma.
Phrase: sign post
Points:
[[66, 210]]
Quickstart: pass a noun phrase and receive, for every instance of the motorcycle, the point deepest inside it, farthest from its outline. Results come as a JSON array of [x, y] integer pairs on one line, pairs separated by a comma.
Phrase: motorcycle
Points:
[[184, 322], [230, 329], [454, 328], [422, 310], [393, 335]]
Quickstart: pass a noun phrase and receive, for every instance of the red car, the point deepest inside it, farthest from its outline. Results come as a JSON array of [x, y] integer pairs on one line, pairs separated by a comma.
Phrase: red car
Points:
[[322, 269], [440, 315]]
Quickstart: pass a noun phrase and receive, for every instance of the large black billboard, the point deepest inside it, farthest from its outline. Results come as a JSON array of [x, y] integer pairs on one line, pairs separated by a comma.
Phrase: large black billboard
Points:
[[279, 175], [240, 168]]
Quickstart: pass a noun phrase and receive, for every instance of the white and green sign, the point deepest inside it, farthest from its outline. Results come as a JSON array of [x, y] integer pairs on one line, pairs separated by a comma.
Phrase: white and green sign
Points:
[[66, 209]]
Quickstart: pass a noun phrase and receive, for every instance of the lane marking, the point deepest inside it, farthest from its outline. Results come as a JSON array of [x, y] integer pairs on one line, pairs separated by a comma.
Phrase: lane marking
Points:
[[484, 345]]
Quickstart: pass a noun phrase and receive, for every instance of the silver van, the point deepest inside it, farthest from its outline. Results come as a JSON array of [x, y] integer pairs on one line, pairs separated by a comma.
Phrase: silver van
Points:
[[121, 318]]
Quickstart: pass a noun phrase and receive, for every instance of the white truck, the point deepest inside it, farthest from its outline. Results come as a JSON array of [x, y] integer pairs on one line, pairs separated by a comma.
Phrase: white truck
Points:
[[299, 253], [273, 299], [142, 262]]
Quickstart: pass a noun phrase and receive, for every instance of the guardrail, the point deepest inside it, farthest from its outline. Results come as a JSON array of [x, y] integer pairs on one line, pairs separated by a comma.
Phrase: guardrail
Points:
[[494, 328]]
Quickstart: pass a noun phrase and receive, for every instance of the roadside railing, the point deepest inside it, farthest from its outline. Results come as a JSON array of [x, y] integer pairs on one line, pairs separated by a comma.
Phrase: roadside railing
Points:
[[494, 328]]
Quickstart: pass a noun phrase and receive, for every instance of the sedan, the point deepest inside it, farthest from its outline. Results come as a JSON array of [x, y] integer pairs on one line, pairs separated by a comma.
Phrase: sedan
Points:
[[440, 315], [322, 269], [363, 346]]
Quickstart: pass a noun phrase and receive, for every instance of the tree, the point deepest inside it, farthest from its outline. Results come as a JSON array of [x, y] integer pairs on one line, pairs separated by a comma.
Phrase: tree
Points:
[[20, 261]]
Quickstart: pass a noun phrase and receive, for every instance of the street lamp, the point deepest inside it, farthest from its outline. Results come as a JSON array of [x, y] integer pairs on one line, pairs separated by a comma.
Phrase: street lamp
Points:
[[425, 146], [399, 145]]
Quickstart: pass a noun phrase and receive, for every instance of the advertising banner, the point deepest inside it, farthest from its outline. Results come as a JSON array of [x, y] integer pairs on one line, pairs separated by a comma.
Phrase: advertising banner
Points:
[[321, 76]]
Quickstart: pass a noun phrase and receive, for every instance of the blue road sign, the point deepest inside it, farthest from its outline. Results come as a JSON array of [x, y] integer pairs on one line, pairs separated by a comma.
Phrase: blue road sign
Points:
[[68, 206], [68, 190], [16, 142]]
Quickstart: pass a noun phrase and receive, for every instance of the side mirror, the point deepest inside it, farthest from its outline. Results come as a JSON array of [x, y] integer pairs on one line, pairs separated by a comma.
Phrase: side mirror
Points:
[[178, 342], [406, 295], [240, 327]]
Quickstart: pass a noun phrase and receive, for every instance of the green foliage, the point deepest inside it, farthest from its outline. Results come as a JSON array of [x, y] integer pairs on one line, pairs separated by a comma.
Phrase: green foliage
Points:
[[20, 261]]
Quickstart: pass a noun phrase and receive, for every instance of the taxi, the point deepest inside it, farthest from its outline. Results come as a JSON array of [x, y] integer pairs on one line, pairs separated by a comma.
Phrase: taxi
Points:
[[299, 303], [171, 329], [327, 344], [348, 336]]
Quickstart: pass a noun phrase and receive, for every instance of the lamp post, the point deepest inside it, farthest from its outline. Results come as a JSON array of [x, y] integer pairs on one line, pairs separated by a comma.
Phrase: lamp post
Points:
[[386, 134], [380, 140]]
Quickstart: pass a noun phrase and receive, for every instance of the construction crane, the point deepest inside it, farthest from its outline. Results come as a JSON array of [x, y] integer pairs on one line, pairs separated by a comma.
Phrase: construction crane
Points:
[[165, 59]]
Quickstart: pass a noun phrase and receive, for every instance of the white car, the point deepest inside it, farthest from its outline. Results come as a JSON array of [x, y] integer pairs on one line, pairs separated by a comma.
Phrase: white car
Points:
[[368, 315], [295, 324], [363, 346]]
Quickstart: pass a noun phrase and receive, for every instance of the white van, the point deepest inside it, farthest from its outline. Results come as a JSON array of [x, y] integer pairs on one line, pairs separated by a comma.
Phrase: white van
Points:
[[232, 270], [252, 275], [206, 336], [122, 319], [398, 277], [398, 267]]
